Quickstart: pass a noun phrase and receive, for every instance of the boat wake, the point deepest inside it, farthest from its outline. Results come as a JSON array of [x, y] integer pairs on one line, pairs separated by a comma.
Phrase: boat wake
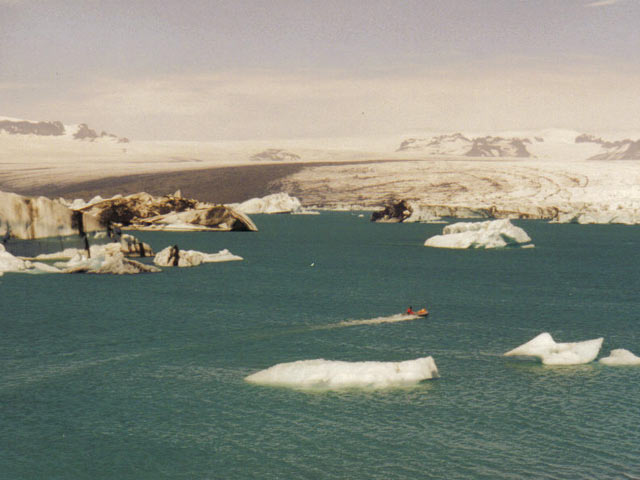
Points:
[[398, 317]]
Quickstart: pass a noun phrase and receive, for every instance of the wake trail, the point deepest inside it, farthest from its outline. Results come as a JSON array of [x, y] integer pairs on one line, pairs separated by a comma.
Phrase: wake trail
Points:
[[398, 317]]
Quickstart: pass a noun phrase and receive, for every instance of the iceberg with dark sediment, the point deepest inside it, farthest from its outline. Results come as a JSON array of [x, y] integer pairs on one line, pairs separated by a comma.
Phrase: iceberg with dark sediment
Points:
[[104, 259], [323, 374], [620, 357], [142, 211], [490, 234], [191, 258], [29, 218], [550, 352]]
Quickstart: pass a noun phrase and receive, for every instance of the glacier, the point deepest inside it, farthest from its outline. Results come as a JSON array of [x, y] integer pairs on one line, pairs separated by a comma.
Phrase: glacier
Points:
[[620, 357], [321, 374], [490, 234], [546, 349]]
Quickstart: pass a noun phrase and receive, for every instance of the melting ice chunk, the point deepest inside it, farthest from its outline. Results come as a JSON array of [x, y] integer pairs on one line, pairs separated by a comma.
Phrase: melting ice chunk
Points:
[[333, 374], [620, 356], [551, 353]]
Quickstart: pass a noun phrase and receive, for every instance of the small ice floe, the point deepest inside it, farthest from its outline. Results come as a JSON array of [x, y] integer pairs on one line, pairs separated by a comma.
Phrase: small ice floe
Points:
[[490, 234], [323, 374], [11, 263], [174, 257], [620, 357], [546, 349]]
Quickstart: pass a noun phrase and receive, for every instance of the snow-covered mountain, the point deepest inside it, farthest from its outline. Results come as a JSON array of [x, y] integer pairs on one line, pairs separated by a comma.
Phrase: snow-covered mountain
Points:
[[617, 150], [459, 145], [14, 126], [553, 144]]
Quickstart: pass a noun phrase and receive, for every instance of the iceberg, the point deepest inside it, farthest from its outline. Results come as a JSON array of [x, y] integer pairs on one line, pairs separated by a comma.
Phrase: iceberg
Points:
[[104, 259], [192, 258], [490, 234], [30, 218], [619, 357], [546, 349], [320, 374], [11, 263], [274, 203]]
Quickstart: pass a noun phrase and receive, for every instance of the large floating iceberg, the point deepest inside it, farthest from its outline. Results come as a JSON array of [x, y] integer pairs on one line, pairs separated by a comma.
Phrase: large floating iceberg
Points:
[[489, 234], [546, 349], [619, 357], [323, 374]]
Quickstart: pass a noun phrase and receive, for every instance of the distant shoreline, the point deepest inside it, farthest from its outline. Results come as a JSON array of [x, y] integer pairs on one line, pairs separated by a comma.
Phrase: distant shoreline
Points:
[[214, 184], [228, 184]]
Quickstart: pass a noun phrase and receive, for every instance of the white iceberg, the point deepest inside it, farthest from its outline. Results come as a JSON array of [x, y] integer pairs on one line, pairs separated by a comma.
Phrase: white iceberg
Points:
[[274, 203], [333, 374], [619, 357], [546, 349], [489, 234], [11, 263], [192, 258]]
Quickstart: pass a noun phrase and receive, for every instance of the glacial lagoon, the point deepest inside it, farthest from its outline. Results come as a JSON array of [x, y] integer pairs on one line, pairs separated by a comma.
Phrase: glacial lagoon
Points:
[[143, 377]]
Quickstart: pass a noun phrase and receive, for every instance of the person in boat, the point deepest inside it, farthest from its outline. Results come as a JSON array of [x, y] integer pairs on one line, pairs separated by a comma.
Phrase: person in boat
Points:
[[410, 311]]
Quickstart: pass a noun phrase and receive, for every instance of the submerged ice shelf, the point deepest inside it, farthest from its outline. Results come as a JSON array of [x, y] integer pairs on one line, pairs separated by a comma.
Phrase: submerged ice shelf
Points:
[[320, 374]]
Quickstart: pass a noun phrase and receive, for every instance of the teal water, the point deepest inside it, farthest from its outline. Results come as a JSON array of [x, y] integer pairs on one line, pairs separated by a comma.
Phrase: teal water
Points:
[[141, 377]]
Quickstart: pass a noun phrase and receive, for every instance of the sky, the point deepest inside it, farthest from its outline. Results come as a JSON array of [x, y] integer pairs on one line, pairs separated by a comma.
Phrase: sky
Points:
[[215, 70]]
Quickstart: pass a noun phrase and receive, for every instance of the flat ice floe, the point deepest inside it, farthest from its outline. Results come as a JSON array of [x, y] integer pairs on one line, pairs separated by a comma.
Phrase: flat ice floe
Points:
[[620, 357], [323, 374], [546, 349], [489, 234]]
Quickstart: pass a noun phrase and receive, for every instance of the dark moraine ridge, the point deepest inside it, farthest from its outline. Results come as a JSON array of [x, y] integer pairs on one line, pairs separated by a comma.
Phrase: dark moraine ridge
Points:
[[216, 185]]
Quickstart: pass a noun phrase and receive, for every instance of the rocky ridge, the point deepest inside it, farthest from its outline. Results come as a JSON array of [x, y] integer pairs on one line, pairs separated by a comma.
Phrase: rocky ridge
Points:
[[55, 128]]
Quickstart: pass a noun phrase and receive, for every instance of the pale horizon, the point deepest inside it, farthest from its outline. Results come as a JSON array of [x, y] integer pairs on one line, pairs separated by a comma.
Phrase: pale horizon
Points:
[[245, 70]]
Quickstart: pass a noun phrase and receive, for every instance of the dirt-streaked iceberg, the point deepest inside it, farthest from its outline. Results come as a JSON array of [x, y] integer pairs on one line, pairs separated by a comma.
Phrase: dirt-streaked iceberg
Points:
[[104, 259], [174, 257], [490, 234], [620, 357], [320, 374], [546, 349], [39, 217]]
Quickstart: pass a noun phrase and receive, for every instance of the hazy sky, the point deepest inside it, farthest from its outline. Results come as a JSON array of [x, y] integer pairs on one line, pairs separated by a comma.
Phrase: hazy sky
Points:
[[241, 69]]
